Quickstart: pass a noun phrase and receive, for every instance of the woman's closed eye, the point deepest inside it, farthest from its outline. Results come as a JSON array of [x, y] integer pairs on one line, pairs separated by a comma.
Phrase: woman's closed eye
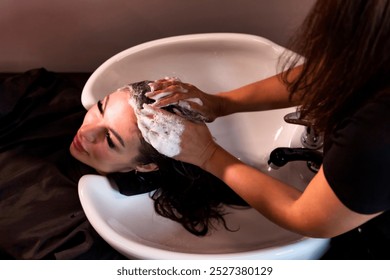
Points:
[[107, 135], [110, 142]]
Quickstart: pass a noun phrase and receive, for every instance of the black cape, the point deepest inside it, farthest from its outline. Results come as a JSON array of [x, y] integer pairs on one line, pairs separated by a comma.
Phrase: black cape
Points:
[[40, 213]]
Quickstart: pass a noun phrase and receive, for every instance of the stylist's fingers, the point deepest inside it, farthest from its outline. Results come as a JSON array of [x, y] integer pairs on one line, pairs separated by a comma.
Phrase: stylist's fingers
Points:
[[168, 96], [174, 136], [163, 83], [188, 97], [161, 129]]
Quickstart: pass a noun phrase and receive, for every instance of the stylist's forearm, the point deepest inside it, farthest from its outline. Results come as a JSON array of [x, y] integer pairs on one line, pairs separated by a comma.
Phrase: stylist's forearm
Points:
[[270, 93], [268, 195]]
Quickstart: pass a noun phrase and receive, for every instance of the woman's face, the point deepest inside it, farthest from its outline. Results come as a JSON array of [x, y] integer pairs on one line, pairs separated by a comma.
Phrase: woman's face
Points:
[[109, 139]]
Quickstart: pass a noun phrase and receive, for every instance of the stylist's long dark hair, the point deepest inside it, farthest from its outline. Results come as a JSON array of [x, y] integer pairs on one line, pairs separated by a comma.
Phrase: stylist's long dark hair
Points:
[[183, 192], [346, 45]]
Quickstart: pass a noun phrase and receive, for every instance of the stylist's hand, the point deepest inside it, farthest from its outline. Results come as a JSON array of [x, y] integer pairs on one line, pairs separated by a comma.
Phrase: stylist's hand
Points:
[[176, 137], [172, 91]]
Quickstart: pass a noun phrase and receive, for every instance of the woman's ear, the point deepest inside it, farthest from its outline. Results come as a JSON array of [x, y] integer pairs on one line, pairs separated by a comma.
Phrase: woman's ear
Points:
[[146, 167]]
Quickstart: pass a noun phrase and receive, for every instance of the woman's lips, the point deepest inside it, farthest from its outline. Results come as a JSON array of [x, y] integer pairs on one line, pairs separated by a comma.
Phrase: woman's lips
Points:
[[77, 144]]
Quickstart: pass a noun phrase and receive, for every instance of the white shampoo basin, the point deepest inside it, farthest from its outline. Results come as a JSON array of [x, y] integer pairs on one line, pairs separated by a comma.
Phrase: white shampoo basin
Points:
[[214, 63]]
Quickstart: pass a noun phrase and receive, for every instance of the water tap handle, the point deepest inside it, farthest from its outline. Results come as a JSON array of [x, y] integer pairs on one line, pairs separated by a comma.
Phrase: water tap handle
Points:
[[310, 137], [295, 118]]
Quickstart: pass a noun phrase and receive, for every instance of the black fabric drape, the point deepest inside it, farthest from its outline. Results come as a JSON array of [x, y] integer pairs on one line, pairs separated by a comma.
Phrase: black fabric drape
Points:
[[40, 213]]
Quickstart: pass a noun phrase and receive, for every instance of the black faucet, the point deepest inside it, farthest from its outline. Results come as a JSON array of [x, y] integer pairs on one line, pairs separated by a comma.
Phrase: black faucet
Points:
[[280, 156]]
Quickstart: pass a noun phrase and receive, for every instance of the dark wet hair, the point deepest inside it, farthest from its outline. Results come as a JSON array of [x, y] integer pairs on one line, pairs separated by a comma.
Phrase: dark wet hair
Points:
[[183, 192], [347, 59]]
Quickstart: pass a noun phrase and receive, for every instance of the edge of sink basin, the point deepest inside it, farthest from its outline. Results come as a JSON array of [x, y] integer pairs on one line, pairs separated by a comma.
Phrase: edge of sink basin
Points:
[[134, 248], [90, 89]]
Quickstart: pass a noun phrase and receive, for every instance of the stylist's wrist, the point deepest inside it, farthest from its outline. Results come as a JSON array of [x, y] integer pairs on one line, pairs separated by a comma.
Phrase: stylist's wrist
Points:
[[219, 162], [207, 154], [222, 104]]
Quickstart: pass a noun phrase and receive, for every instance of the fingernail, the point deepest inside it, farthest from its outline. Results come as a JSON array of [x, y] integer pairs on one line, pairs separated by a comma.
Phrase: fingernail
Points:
[[152, 87], [183, 90], [148, 108], [184, 105]]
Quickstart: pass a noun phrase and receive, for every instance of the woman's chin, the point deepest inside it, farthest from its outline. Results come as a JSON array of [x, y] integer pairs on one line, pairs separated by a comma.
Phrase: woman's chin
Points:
[[79, 156]]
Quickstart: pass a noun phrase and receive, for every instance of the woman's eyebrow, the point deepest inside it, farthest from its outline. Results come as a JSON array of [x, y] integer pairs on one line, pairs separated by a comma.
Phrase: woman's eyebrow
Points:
[[102, 108]]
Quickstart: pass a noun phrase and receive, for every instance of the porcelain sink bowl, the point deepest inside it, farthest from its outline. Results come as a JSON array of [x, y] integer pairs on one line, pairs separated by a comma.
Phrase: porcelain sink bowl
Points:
[[213, 62]]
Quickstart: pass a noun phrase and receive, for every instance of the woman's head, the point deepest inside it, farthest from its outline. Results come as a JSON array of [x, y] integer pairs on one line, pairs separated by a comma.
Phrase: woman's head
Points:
[[109, 139]]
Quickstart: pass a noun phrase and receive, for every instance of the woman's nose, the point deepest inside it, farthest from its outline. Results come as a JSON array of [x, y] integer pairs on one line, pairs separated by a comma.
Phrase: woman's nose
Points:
[[92, 133]]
